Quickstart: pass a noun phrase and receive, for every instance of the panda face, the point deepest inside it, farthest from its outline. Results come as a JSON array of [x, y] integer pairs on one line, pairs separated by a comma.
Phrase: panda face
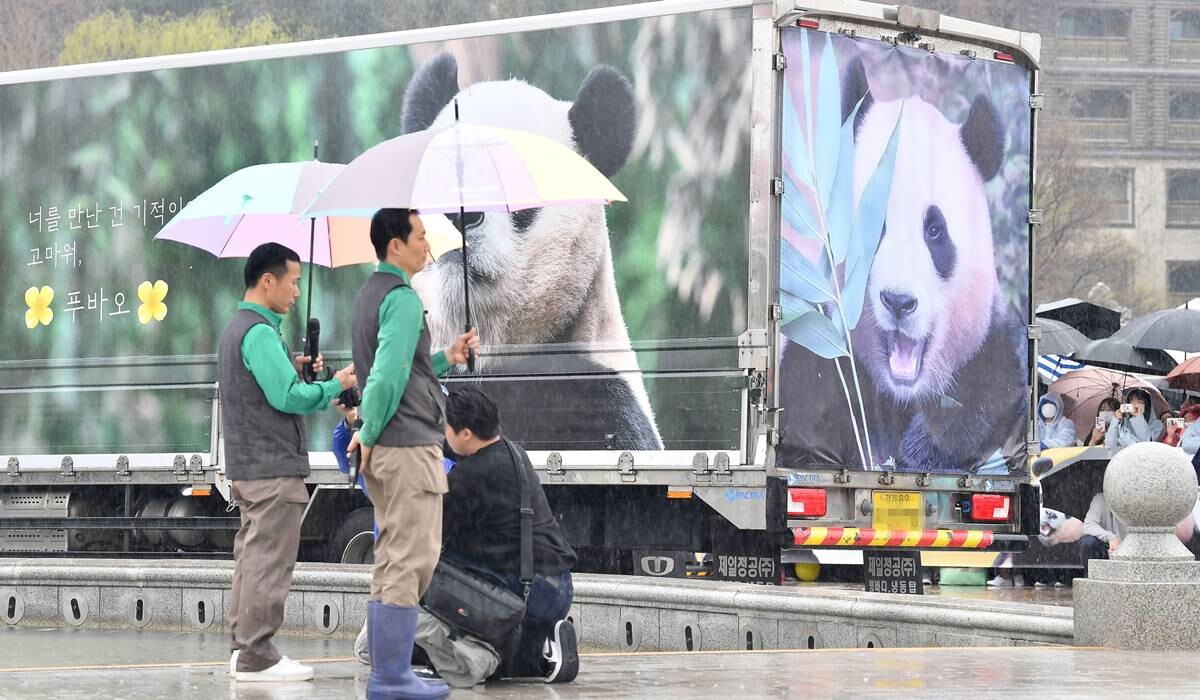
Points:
[[932, 284]]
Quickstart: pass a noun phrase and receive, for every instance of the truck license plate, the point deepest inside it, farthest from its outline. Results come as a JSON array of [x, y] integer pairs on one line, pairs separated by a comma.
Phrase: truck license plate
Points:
[[897, 510]]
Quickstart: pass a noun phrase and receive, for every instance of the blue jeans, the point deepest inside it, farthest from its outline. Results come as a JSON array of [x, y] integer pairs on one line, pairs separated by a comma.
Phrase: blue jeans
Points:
[[1091, 548], [549, 601]]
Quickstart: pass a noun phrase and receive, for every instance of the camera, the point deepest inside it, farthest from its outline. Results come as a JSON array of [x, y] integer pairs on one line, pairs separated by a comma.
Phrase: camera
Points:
[[350, 398]]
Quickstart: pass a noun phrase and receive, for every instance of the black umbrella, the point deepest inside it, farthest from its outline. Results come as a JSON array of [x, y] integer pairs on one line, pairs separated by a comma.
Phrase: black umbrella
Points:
[[1118, 354], [1060, 339], [1092, 320], [1172, 329]]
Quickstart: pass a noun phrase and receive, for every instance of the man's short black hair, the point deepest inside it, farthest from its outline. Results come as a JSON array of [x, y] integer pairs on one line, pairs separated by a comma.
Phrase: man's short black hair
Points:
[[268, 257], [469, 407], [388, 224]]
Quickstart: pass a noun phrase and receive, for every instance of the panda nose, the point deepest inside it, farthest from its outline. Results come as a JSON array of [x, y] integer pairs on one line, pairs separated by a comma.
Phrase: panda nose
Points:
[[899, 304]]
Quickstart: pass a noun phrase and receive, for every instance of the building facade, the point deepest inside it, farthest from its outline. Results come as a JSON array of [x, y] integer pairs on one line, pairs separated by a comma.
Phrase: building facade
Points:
[[1124, 78]]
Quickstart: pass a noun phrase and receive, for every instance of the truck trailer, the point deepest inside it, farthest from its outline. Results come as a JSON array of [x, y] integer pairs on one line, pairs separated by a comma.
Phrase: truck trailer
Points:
[[808, 330]]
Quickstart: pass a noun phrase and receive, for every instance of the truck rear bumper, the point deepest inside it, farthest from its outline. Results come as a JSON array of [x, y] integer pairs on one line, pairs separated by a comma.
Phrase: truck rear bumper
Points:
[[868, 538]]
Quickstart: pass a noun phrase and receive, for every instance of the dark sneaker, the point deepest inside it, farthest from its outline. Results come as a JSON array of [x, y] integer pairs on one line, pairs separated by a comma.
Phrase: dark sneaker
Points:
[[563, 658]]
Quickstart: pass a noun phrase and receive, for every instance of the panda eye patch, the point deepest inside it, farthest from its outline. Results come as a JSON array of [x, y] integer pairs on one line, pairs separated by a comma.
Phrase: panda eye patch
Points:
[[470, 220], [937, 239], [524, 218]]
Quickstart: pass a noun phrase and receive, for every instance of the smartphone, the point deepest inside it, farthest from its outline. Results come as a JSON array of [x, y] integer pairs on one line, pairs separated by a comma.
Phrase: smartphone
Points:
[[1175, 422], [1127, 409], [1100, 423]]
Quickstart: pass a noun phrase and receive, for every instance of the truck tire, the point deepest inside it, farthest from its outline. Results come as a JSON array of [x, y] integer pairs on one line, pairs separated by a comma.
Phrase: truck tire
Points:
[[353, 543]]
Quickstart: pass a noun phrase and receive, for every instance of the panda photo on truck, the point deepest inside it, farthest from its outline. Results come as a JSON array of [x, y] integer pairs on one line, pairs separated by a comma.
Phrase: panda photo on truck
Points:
[[940, 350], [542, 275]]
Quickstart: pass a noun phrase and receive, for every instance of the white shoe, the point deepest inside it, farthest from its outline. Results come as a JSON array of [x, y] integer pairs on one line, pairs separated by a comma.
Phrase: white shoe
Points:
[[1018, 581], [1000, 581], [283, 671], [362, 650], [233, 662]]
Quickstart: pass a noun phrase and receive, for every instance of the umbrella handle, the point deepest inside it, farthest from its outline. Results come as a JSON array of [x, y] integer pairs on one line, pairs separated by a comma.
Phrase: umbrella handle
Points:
[[471, 360]]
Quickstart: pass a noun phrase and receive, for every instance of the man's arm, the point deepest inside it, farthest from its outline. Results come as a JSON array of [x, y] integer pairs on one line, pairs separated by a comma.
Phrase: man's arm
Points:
[[341, 440], [265, 357], [441, 366], [1191, 438], [400, 319], [1091, 522]]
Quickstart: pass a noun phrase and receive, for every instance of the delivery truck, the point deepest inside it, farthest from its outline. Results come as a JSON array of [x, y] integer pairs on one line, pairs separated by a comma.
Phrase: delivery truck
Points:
[[808, 329]]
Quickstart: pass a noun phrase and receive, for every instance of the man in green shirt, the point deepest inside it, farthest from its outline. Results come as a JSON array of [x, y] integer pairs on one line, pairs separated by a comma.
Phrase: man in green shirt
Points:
[[403, 413], [266, 458]]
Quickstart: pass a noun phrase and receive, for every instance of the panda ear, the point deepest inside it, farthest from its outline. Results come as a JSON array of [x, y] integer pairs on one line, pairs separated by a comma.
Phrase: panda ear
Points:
[[432, 88], [854, 88], [983, 137], [603, 119]]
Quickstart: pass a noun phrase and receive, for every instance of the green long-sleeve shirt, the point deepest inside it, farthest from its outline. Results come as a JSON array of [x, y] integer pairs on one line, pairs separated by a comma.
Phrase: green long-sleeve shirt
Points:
[[401, 322], [265, 355]]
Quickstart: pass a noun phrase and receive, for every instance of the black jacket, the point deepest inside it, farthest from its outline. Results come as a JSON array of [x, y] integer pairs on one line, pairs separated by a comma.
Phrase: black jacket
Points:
[[481, 514]]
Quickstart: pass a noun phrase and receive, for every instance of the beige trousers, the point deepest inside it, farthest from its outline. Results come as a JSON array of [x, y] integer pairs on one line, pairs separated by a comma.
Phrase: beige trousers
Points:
[[406, 486], [264, 555]]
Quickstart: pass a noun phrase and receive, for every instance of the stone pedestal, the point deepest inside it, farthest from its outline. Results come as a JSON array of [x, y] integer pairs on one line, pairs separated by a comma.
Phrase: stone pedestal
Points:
[[1148, 595]]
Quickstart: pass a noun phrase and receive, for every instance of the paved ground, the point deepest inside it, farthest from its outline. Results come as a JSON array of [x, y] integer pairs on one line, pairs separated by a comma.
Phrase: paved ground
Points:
[[38, 664]]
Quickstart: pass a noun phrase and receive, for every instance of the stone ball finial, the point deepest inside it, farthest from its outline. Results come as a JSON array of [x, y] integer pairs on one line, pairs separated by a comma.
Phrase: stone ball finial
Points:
[[1150, 484]]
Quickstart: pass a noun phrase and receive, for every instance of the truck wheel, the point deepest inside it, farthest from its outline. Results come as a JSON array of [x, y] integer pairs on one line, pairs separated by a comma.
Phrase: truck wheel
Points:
[[354, 541]]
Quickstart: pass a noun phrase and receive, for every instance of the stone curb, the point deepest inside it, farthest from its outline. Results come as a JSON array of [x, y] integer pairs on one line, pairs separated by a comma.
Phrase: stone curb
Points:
[[622, 613]]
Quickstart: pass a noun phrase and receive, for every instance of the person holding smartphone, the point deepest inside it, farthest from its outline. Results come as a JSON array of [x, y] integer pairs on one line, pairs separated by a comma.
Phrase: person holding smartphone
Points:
[[1104, 416], [1133, 422]]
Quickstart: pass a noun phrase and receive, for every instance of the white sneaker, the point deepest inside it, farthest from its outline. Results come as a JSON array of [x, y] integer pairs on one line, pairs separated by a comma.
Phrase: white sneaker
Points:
[[1000, 581], [284, 670], [233, 662], [362, 650], [1018, 581]]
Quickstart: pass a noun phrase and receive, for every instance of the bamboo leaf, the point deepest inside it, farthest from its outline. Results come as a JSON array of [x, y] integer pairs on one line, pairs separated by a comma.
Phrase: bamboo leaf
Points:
[[802, 278], [816, 332], [868, 226], [840, 212], [827, 137]]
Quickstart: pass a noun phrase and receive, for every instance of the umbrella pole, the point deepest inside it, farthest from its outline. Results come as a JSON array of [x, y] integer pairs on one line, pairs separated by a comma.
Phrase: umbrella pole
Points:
[[466, 284], [462, 231], [312, 244]]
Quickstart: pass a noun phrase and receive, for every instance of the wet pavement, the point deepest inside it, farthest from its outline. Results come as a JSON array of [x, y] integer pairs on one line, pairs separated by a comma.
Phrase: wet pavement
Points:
[[58, 663], [1039, 595]]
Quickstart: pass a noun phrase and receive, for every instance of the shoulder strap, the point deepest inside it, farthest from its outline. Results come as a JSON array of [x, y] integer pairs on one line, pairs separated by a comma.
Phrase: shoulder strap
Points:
[[526, 573]]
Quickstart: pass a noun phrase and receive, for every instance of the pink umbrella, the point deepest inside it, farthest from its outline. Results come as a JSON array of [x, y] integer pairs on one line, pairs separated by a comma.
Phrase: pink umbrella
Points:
[[1083, 389]]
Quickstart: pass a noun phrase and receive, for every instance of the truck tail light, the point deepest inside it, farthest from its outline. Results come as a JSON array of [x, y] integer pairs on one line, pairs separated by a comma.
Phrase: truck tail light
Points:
[[990, 508], [1006, 57], [808, 24], [806, 503]]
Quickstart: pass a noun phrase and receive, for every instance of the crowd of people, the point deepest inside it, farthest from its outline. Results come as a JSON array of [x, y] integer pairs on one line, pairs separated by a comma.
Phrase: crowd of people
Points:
[[1122, 419], [445, 484]]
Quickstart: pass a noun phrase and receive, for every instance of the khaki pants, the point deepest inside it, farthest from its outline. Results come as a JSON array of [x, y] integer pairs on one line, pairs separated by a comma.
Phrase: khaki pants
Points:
[[264, 555], [406, 486]]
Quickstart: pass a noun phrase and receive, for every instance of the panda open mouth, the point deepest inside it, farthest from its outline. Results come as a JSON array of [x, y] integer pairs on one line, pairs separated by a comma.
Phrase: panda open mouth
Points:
[[904, 357]]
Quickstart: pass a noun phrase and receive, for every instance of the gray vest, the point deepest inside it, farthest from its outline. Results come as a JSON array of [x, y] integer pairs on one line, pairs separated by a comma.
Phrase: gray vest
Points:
[[422, 411], [260, 442]]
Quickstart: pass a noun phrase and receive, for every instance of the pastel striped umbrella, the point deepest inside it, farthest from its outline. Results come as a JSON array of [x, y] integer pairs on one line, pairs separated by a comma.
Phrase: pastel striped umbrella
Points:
[[460, 168], [264, 203], [464, 167]]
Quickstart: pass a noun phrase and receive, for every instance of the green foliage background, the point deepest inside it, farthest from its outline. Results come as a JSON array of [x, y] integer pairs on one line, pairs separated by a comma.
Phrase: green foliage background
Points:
[[172, 133]]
